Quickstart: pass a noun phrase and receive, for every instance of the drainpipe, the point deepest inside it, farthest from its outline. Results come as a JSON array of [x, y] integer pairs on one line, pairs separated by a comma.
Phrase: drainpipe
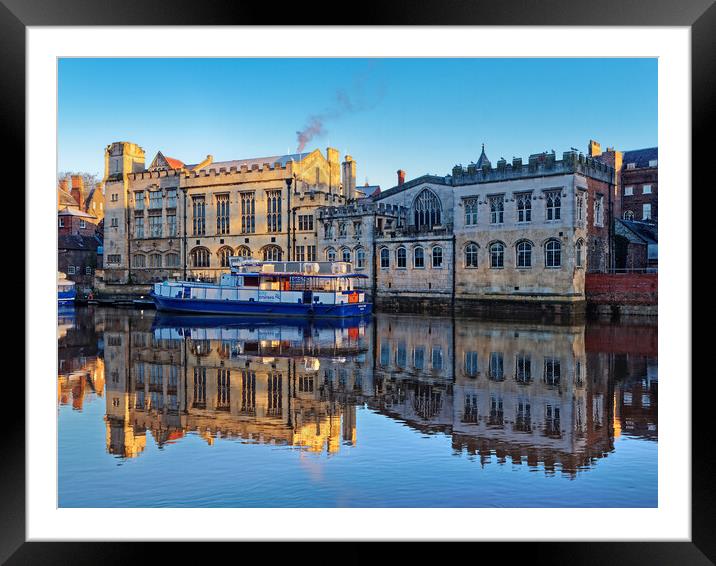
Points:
[[288, 218], [184, 190]]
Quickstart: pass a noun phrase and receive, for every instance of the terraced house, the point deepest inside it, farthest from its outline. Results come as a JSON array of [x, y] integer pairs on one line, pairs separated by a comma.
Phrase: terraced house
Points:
[[172, 219]]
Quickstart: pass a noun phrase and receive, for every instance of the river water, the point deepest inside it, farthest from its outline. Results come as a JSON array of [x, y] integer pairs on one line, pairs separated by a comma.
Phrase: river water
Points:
[[157, 410]]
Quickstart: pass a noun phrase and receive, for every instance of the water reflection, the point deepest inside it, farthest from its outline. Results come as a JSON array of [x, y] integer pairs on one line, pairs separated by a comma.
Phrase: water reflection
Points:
[[548, 397]]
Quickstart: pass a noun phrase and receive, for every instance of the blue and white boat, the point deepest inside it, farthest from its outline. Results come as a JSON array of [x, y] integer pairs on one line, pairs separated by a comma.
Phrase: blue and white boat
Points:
[[270, 288], [66, 290]]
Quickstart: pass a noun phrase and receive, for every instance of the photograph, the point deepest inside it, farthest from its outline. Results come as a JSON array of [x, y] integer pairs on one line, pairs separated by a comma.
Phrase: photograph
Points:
[[358, 282]]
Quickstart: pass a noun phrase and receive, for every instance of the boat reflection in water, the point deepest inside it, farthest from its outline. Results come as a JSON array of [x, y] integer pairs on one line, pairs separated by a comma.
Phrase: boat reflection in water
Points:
[[529, 394]]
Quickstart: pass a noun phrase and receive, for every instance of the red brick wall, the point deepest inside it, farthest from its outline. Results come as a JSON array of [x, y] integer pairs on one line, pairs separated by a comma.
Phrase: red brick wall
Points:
[[637, 178], [621, 288]]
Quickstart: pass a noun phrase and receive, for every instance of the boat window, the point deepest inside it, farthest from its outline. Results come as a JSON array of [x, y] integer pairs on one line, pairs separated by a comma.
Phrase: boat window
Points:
[[251, 281]]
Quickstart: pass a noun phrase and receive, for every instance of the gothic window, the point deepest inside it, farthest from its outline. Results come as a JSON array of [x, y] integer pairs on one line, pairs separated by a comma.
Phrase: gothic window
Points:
[[385, 257], [328, 230], [155, 226], [581, 204], [248, 213], [497, 255], [155, 260], [155, 200], [171, 224], [419, 258], [360, 258], [171, 198], [471, 255], [599, 211], [139, 227], [273, 210], [357, 229], [198, 215], [345, 255], [224, 254], [272, 253], [426, 210], [171, 260], [138, 200], [222, 214], [629, 215], [139, 261], [243, 251], [553, 253], [470, 211], [524, 254], [437, 257], [524, 207], [402, 258], [497, 209], [554, 206], [200, 257], [342, 230], [331, 254], [579, 249]]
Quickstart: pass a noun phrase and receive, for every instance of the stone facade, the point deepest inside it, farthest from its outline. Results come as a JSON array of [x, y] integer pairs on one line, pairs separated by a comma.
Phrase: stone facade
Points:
[[516, 233], [172, 220]]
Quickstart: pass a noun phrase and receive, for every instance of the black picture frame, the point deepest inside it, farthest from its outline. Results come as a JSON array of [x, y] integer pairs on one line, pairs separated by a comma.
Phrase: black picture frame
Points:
[[699, 15]]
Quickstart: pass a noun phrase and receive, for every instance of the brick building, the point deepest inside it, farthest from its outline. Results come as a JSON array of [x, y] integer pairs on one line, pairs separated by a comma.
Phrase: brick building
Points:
[[640, 182]]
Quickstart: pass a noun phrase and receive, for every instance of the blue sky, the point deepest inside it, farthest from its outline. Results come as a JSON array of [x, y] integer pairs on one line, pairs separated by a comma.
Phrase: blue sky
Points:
[[421, 115]]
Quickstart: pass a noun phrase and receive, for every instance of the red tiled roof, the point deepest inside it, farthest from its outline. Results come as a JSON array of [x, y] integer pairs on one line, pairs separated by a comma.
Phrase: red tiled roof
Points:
[[174, 163]]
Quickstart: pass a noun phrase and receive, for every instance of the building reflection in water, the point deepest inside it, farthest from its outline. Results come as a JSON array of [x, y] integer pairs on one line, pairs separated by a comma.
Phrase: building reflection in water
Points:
[[549, 396]]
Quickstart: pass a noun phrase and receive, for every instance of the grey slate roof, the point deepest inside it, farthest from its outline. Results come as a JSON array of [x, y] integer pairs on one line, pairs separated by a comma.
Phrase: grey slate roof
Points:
[[640, 156], [77, 242], [433, 179], [483, 160], [645, 231]]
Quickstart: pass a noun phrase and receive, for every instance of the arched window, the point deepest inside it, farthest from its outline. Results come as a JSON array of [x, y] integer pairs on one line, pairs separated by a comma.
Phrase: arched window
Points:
[[437, 256], [471, 255], [272, 253], [200, 257], [331, 254], [401, 258], [385, 257], [224, 254], [139, 260], [497, 255], [554, 206], [345, 255], [524, 254], [418, 258], [360, 258], [171, 260], [629, 215], [426, 210], [553, 253], [155, 260], [243, 251], [579, 253]]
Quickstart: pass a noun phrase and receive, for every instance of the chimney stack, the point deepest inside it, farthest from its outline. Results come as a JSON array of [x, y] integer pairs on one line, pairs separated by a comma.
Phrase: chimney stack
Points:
[[594, 149], [401, 177], [77, 190]]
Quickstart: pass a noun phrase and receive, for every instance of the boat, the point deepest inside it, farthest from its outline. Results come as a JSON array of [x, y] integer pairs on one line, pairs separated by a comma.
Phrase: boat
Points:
[[66, 290], [269, 288]]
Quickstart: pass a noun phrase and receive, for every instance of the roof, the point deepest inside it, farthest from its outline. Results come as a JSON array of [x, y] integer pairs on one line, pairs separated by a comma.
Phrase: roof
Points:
[[641, 156], [483, 160], [369, 190], [65, 198], [174, 163], [75, 212], [645, 231], [78, 242], [281, 159], [433, 179]]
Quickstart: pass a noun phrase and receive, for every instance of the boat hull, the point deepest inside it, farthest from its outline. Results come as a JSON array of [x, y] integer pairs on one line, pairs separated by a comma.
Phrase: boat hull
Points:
[[209, 306]]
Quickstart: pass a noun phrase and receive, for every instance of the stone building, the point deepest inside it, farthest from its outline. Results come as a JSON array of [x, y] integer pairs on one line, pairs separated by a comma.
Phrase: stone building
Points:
[[514, 235], [172, 219]]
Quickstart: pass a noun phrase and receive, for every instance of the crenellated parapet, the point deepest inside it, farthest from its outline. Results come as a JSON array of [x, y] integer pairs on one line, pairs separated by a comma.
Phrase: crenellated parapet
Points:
[[359, 209]]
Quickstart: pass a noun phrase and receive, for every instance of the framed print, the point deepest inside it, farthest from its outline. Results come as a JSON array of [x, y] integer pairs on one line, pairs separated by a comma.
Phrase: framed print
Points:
[[396, 280]]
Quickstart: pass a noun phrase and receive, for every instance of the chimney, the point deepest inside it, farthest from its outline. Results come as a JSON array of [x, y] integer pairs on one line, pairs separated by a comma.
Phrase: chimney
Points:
[[77, 190], [348, 168], [401, 177], [594, 149]]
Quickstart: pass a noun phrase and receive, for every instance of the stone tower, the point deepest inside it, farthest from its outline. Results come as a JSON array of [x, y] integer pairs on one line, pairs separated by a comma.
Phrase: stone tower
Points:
[[349, 177], [121, 158]]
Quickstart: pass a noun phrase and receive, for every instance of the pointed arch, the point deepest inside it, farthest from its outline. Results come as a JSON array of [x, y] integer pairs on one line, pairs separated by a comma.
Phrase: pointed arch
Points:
[[426, 210]]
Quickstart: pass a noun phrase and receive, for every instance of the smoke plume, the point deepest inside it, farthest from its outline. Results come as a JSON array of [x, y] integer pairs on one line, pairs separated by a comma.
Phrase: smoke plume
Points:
[[365, 94]]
